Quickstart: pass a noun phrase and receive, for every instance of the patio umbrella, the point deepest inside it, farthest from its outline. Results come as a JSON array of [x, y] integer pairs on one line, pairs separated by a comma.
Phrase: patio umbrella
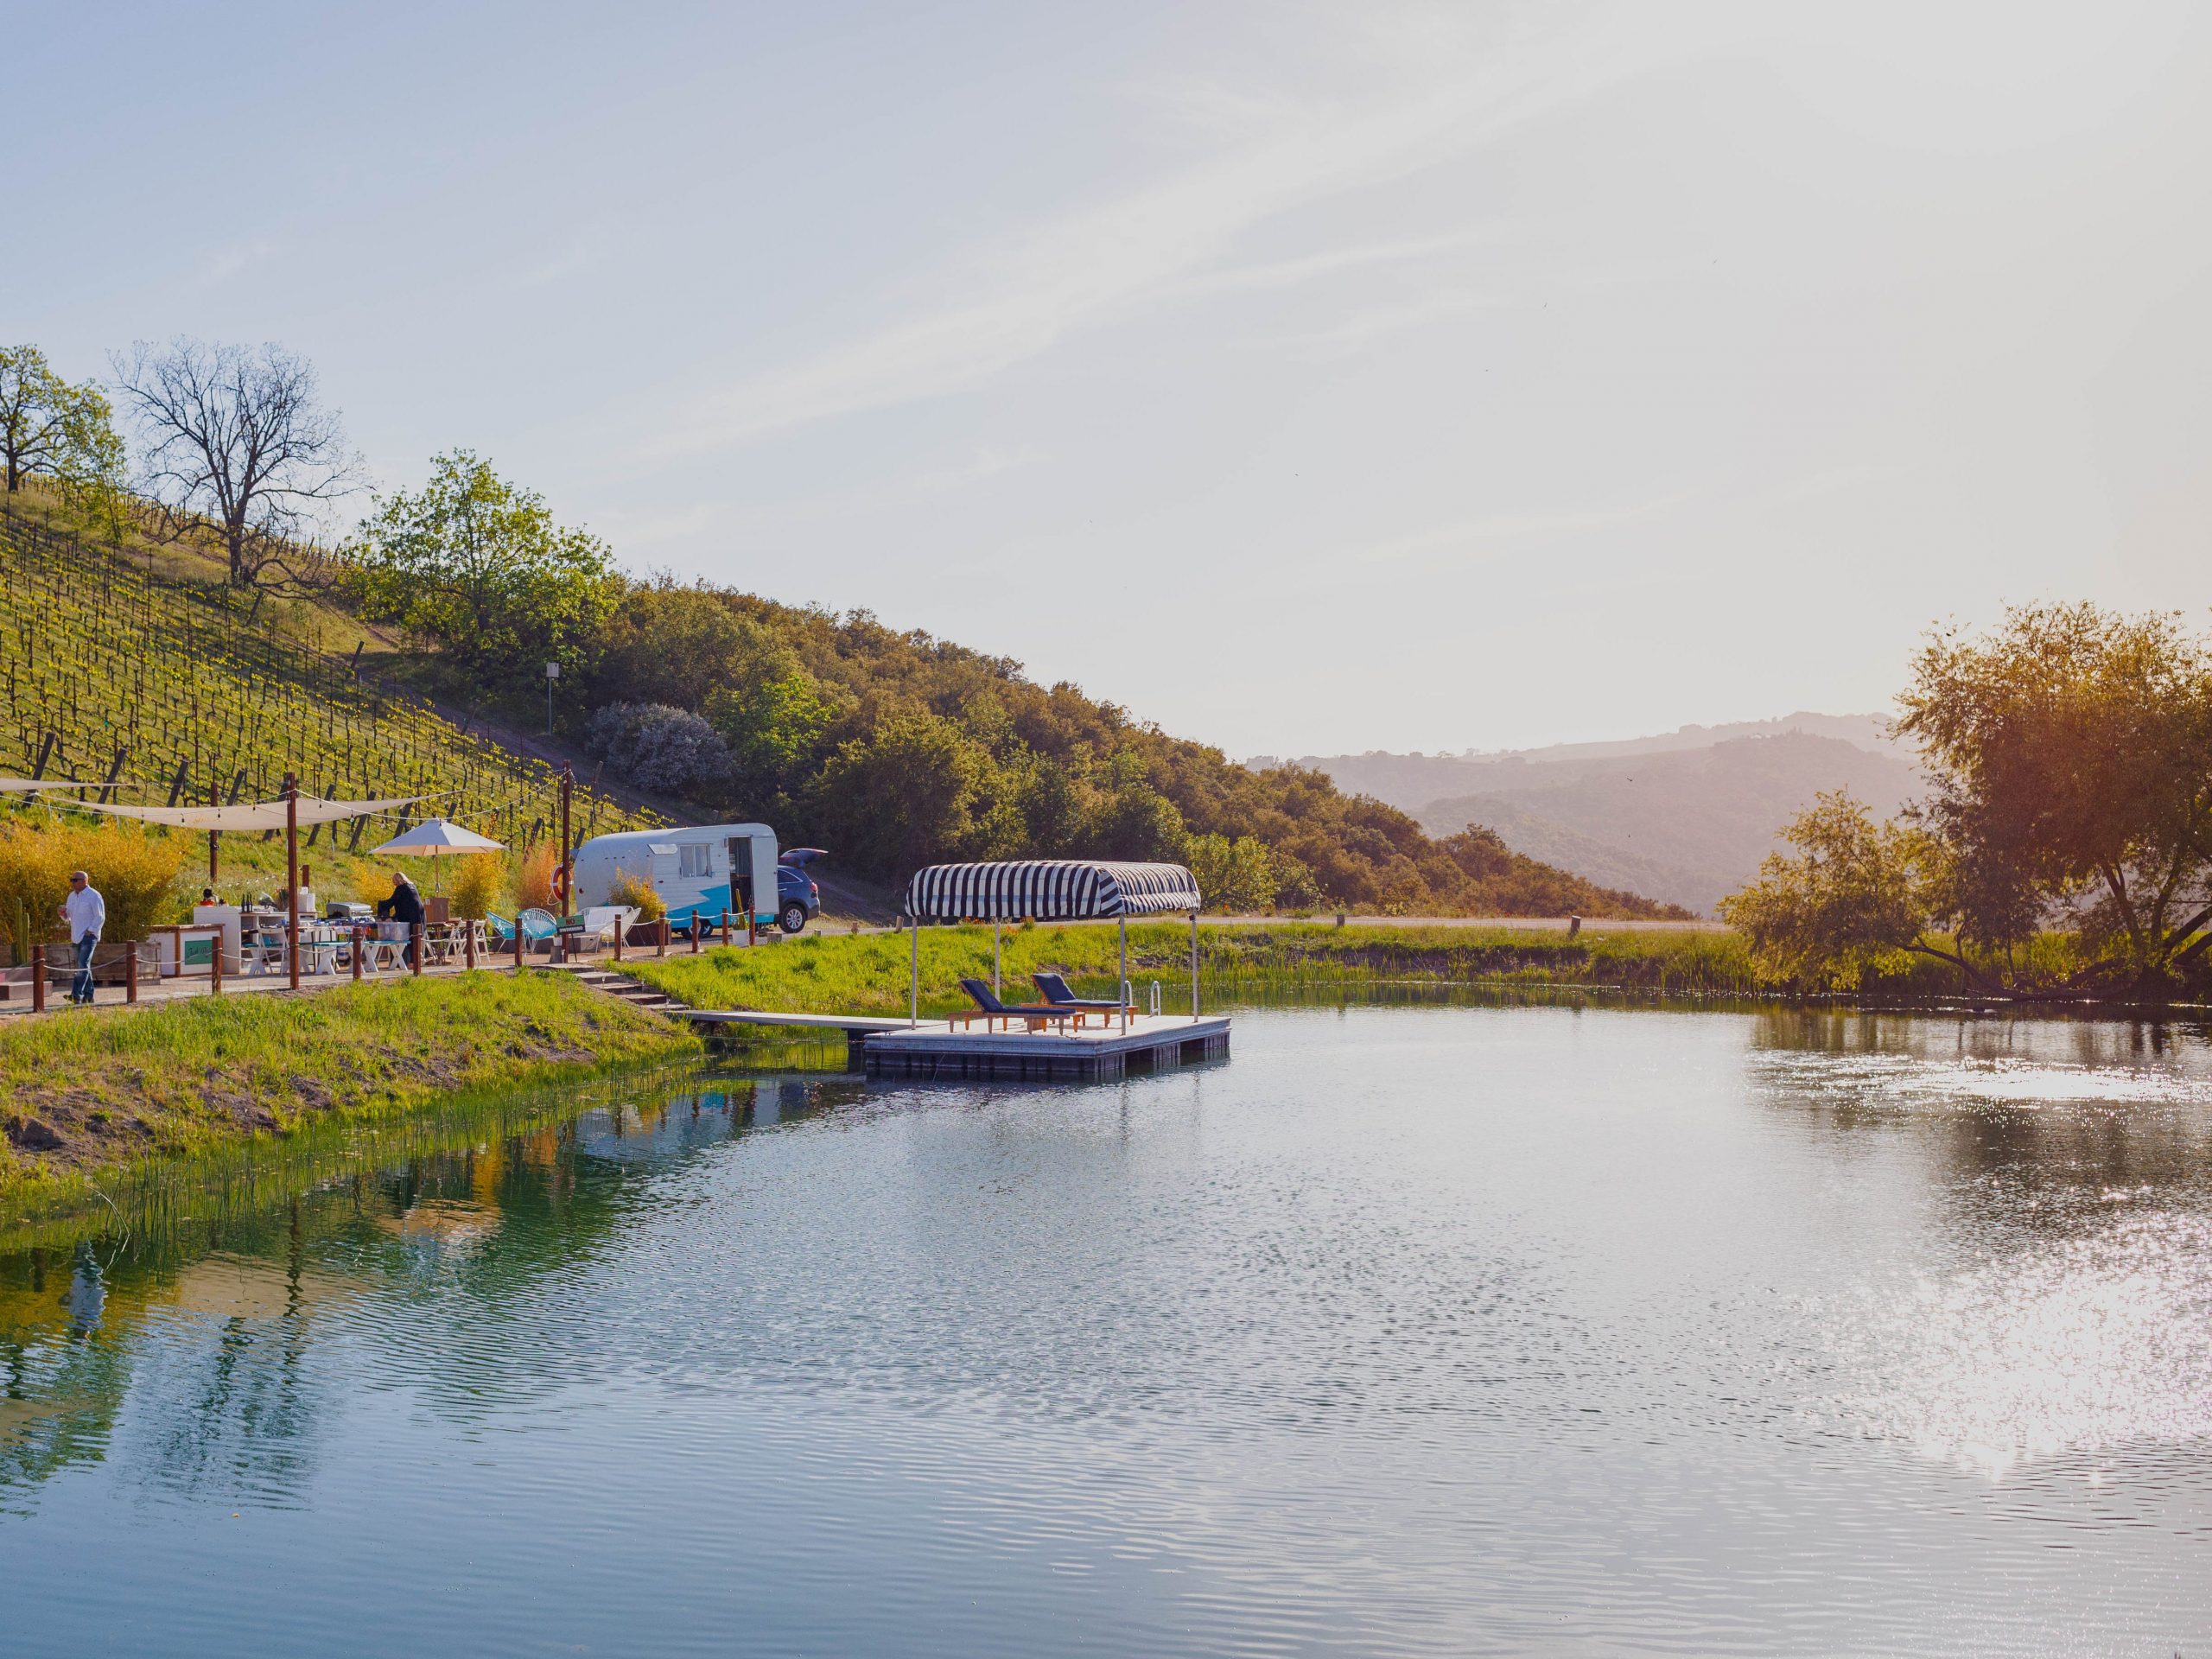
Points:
[[435, 838]]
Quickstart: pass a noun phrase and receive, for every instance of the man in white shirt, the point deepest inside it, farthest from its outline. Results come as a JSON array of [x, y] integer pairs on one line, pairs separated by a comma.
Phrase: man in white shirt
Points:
[[86, 913]]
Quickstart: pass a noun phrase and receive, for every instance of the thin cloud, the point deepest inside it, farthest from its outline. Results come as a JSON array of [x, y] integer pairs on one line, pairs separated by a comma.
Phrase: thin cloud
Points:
[[1472, 535], [1091, 264]]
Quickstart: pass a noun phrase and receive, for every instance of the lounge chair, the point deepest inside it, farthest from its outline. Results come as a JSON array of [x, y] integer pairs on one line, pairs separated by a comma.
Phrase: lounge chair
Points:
[[989, 1008], [1057, 993]]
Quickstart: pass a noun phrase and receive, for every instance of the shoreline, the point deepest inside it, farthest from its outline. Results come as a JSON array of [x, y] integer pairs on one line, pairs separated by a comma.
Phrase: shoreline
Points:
[[97, 1098]]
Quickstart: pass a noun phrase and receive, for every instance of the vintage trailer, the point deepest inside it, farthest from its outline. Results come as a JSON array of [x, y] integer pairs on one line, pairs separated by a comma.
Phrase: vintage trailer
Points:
[[699, 871]]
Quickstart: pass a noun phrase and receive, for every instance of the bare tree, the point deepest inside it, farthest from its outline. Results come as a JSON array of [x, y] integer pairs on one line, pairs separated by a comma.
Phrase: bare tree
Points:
[[237, 438]]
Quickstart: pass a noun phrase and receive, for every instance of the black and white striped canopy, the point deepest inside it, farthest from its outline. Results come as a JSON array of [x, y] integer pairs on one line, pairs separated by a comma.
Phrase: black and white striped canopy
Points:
[[1050, 889]]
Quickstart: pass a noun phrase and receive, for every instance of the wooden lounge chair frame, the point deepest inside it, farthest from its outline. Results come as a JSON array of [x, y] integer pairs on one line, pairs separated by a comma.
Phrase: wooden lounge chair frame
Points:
[[989, 1008]]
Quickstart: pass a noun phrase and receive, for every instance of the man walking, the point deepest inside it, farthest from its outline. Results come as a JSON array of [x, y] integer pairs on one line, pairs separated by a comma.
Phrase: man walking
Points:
[[86, 912]]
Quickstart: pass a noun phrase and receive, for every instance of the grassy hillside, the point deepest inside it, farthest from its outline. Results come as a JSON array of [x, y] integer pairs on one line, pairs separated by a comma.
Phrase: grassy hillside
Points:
[[120, 654], [115, 655]]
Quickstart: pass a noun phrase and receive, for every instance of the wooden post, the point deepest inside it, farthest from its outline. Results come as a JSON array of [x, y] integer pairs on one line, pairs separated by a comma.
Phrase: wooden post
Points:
[[568, 877], [38, 976], [660, 937], [517, 942], [697, 926], [292, 881], [416, 933], [215, 966], [468, 943], [725, 924], [130, 971], [621, 928], [360, 944], [214, 842]]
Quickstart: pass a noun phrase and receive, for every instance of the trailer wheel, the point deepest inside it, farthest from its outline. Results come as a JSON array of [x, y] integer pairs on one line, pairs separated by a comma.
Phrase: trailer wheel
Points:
[[794, 917]]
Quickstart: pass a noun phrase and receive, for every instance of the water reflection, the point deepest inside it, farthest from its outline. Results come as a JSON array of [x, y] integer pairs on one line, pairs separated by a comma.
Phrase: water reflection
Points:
[[1481, 1327]]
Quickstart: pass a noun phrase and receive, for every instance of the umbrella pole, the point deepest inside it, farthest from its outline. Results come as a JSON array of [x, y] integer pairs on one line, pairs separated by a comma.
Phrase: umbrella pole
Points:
[[996, 990], [914, 983], [292, 881]]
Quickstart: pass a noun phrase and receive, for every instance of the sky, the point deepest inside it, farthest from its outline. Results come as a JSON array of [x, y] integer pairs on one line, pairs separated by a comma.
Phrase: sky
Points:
[[1306, 378]]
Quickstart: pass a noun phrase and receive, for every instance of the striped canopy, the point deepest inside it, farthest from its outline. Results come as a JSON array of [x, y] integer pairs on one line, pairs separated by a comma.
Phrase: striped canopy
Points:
[[1050, 889]]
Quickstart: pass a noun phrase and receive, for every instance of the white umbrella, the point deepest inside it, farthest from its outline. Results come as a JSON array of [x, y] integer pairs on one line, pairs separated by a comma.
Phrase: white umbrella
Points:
[[435, 838]]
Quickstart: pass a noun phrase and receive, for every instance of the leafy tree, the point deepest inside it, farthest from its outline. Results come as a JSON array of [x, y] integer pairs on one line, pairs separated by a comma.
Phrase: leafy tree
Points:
[[237, 438], [476, 568], [2072, 755], [1856, 899], [48, 426], [906, 795], [1054, 807], [775, 732], [1233, 875], [675, 644], [669, 751], [1137, 822]]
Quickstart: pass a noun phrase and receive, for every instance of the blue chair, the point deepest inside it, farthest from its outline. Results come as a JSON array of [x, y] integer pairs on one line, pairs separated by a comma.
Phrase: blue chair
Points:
[[1061, 996], [498, 929], [539, 928]]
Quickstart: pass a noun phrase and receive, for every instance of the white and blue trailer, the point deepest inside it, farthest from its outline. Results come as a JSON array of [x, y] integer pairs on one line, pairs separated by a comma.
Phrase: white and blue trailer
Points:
[[699, 871]]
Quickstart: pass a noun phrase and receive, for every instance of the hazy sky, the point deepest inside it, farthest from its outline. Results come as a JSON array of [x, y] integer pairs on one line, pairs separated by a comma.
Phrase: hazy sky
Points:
[[1305, 377]]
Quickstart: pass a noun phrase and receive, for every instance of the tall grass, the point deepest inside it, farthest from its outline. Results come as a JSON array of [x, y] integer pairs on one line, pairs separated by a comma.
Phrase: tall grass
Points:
[[822, 973]]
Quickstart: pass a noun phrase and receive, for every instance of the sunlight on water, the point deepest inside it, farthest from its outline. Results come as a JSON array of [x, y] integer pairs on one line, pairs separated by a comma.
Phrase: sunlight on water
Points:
[[2099, 1345]]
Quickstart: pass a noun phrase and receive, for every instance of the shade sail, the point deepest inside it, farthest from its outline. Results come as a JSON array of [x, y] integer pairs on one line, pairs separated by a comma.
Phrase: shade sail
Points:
[[250, 815], [1050, 889], [434, 837]]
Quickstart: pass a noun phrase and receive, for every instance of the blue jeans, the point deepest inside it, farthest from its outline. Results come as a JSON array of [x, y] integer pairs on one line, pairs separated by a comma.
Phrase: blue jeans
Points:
[[81, 988]]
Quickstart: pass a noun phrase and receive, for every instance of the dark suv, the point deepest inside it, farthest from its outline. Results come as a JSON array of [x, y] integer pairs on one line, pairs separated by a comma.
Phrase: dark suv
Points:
[[797, 898]]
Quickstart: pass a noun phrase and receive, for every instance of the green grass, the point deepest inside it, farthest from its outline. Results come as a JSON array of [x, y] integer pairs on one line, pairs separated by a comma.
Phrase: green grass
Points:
[[117, 1091], [822, 974]]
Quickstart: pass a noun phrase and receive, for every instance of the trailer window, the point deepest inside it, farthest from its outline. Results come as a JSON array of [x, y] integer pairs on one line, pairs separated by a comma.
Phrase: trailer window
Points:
[[696, 858]]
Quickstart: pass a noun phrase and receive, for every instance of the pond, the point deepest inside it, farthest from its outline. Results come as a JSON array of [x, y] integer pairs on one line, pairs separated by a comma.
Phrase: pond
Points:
[[1410, 1329]]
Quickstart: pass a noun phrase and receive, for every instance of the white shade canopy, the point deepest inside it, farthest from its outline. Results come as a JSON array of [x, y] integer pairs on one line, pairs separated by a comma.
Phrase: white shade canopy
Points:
[[434, 837], [249, 815]]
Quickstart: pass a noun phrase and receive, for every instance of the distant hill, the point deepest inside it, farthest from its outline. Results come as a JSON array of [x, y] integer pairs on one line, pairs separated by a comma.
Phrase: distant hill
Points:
[[1684, 817]]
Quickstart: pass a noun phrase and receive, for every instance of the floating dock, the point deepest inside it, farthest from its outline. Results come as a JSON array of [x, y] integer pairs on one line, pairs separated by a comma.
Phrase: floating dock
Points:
[[935, 1050]]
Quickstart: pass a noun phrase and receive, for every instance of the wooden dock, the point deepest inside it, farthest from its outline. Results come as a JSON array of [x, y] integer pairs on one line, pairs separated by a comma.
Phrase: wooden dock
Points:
[[938, 1051]]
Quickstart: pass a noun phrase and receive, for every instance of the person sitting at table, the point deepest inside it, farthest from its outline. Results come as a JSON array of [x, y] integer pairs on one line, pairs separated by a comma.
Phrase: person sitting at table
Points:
[[405, 906]]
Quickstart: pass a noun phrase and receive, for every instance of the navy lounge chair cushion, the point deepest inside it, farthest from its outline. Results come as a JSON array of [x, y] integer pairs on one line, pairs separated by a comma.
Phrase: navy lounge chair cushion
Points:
[[988, 1001], [1058, 994]]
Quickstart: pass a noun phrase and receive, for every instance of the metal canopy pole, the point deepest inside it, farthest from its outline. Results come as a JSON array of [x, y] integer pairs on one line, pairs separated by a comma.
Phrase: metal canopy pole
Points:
[[996, 988], [292, 881], [1123, 996], [1194, 962], [914, 984]]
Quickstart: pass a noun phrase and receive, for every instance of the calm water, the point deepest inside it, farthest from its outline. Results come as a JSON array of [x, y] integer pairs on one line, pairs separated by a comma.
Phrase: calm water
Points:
[[1409, 1330]]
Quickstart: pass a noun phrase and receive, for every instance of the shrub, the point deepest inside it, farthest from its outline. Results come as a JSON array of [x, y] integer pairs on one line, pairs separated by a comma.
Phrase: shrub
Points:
[[132, 868], [534, 879], [638, 895], [671, 751], [478, 885]]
